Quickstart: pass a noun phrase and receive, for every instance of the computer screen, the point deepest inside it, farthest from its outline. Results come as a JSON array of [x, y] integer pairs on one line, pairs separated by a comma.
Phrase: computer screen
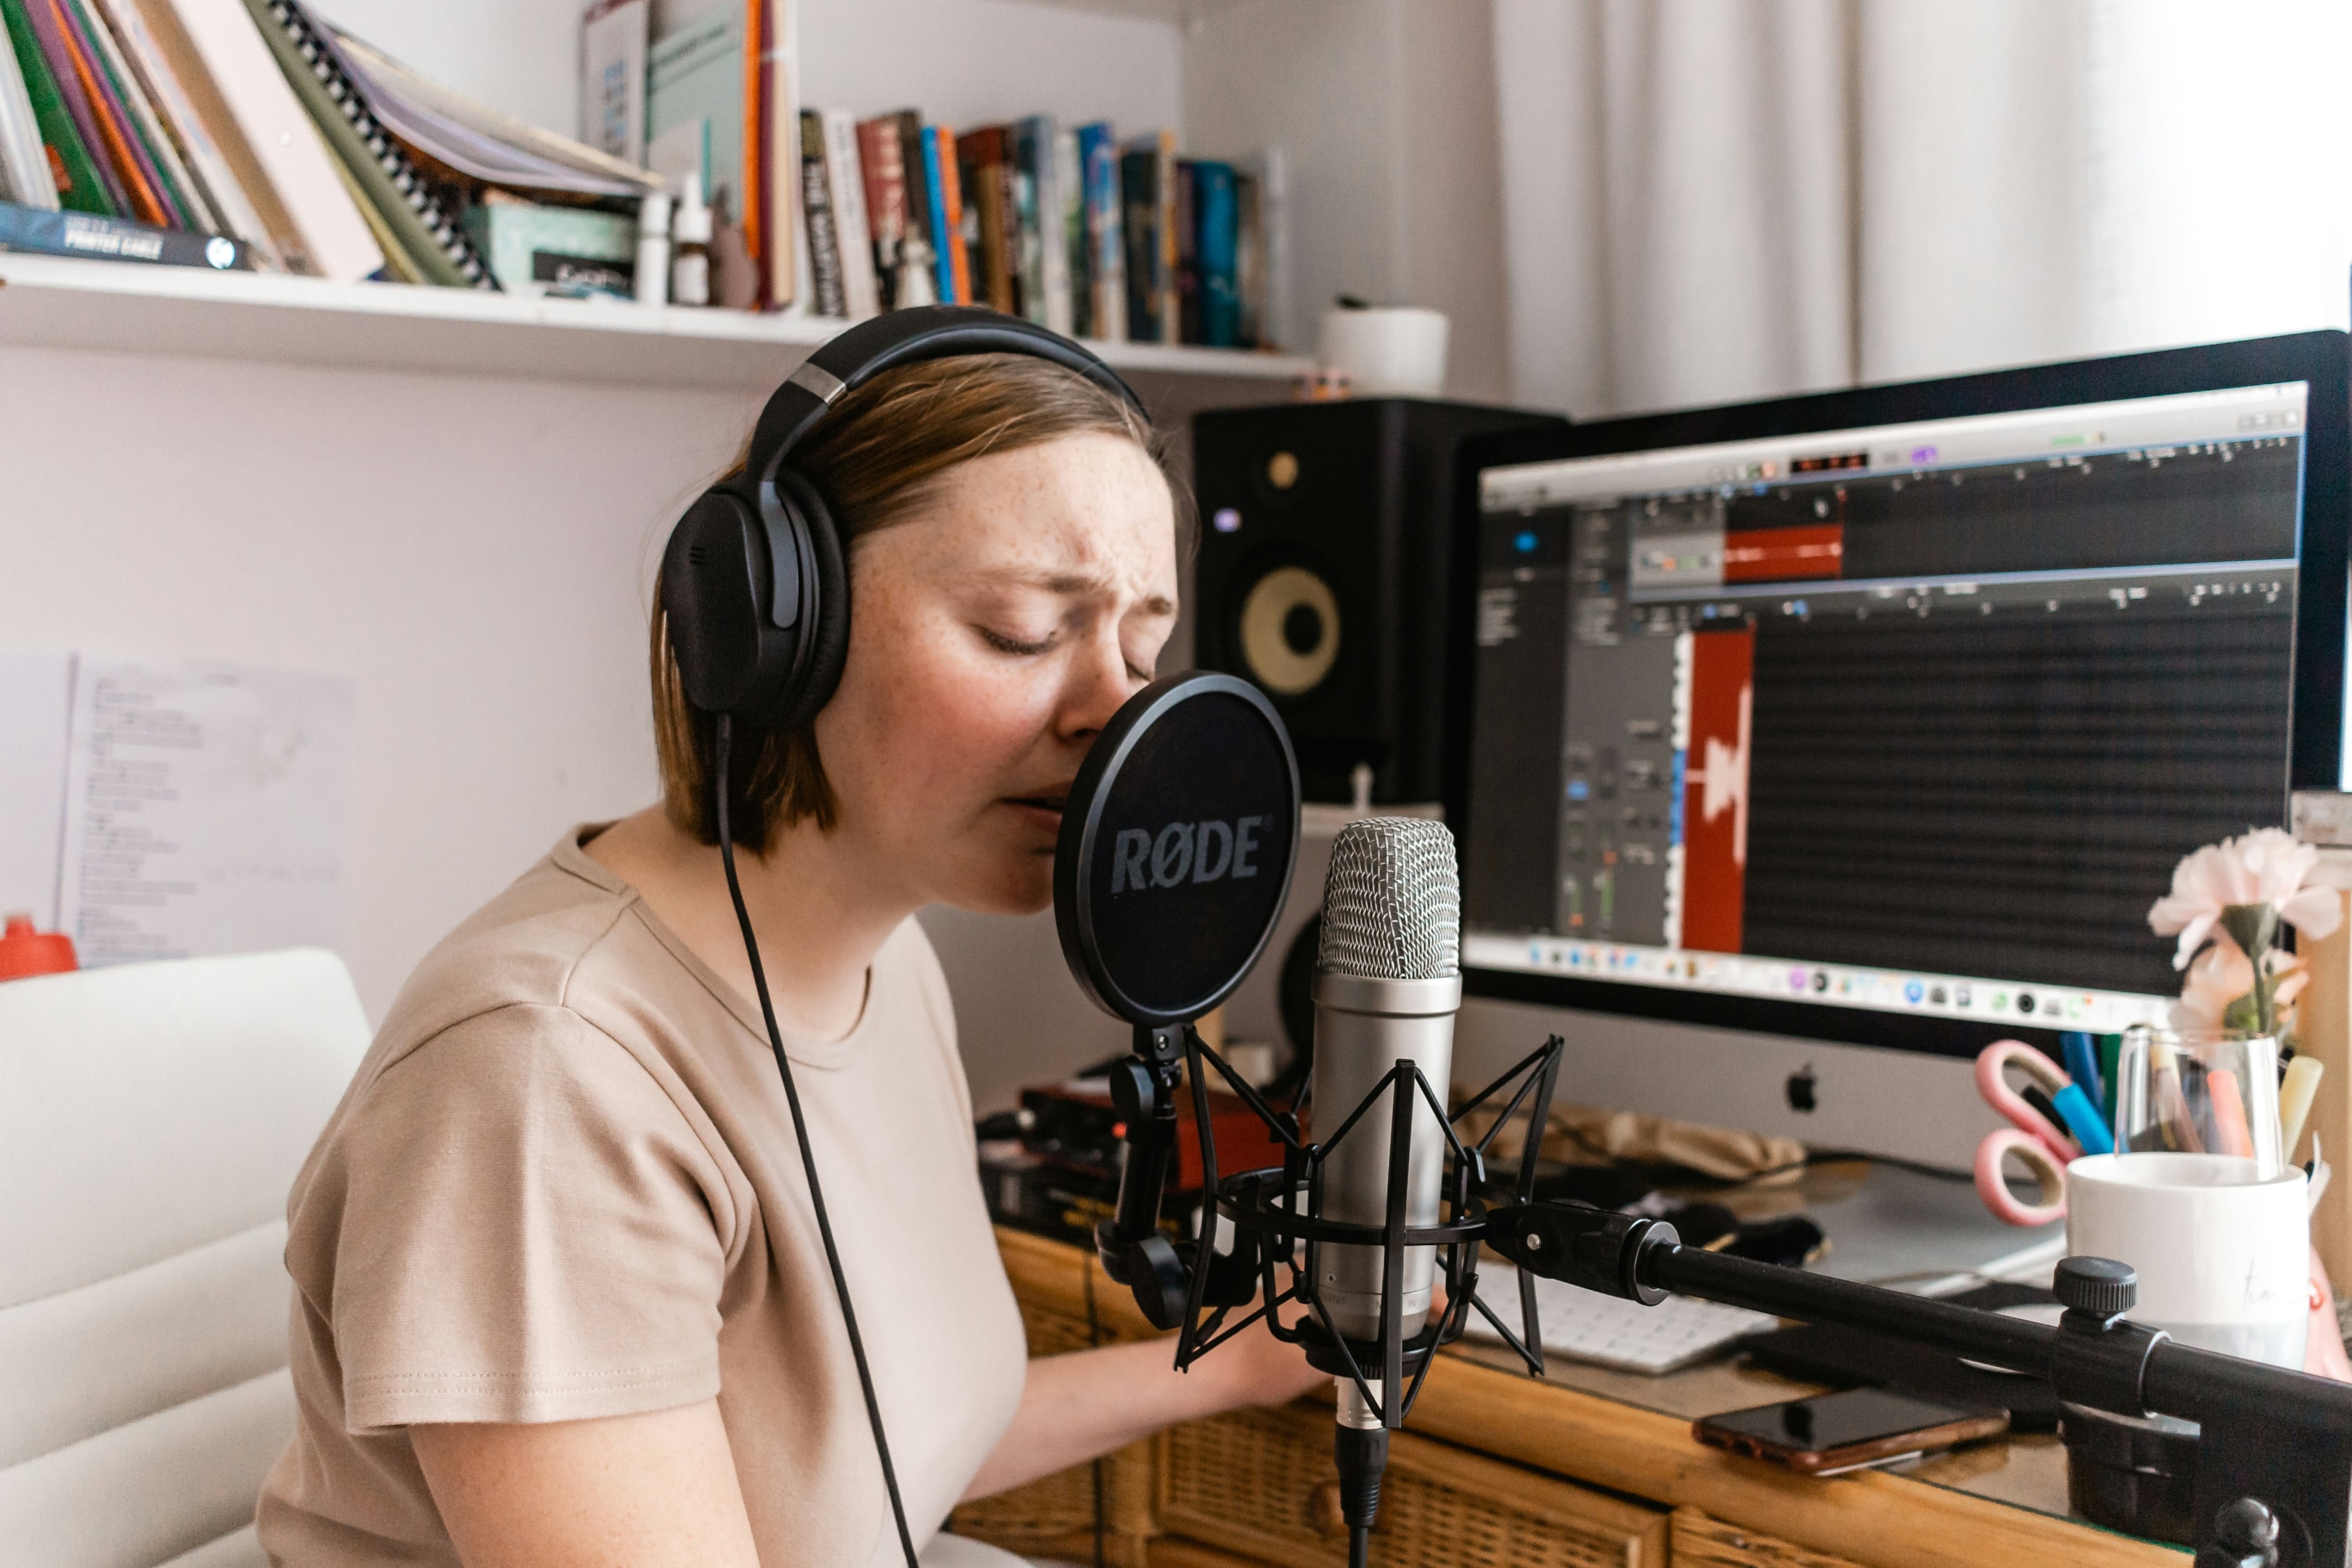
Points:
[[1892, 731]]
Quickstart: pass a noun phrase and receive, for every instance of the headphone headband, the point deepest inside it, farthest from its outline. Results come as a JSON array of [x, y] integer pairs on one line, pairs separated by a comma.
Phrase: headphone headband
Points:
[[850, 359]]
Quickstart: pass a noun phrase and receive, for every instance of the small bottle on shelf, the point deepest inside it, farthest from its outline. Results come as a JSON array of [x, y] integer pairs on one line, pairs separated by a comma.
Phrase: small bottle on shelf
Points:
[[690, 267], [652, 249]]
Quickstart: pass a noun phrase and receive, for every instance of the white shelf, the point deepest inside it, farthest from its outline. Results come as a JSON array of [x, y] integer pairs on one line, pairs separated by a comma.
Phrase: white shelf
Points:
[[61, 303]]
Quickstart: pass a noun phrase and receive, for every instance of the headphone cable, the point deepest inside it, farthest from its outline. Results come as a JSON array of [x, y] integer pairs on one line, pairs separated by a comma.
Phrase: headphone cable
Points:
[[799, 1131]]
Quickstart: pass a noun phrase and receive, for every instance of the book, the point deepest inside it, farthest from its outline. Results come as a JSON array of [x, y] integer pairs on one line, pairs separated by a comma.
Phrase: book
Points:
[[25, 174], [844, 167], [827, 298], [399, 266], [920, 245], [568, 252], [694, 99], [331, 237], [774, 172], [988, 219], [435, 245], [46, 41], [758, 198], [59, 233], [80, 187], [614, 38], [207, 168], [947, 215], [1261, 192], [1099, 172], [142, 186], [887, 210], [1216, 226], [475, 140], [1163, 144], [1029, 174], [205, 122], [1188, 257], [137, 128], [1068, 302], [1147, 278], [1249, 261]]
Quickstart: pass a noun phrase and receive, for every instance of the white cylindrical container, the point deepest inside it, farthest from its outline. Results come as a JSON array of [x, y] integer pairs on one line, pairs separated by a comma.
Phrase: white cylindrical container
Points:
[[1387, 351], [2223, 1262], [653, 250]]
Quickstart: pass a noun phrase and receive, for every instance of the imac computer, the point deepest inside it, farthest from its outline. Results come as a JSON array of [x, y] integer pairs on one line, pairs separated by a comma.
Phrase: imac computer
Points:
[[1814, 744]]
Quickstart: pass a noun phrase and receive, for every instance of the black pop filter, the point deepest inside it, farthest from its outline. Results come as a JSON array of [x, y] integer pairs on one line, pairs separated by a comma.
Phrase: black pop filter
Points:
[[1177, 845]]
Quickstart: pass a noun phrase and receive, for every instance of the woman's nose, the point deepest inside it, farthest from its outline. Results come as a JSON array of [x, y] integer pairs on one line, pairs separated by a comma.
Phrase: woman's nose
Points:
[[1099, 683]]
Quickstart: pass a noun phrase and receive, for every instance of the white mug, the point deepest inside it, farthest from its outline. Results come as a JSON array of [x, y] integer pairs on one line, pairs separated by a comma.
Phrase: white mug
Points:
[[2223, 1261]]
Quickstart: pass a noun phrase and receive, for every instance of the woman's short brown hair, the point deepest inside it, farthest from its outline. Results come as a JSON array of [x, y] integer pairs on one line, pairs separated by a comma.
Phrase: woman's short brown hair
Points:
[[879, 455]]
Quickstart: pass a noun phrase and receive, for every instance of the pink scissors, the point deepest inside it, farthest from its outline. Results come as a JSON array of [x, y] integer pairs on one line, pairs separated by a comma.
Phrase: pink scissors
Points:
[[2041, 1147]]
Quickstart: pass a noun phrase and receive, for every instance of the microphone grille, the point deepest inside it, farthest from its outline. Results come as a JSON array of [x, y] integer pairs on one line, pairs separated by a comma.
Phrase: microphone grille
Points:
[[1392, 901]]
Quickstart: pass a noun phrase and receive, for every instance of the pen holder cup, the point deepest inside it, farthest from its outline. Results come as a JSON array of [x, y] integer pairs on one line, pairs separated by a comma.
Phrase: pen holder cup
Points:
[[2223, 1260], [2184, 1092]]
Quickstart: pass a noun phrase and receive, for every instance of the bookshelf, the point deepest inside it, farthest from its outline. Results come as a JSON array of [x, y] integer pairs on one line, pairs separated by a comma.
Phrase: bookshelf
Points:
[[62, 303]]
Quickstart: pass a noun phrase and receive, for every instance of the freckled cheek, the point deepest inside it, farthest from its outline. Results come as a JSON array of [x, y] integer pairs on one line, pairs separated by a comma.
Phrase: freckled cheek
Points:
[[982, 716], [931, 718]]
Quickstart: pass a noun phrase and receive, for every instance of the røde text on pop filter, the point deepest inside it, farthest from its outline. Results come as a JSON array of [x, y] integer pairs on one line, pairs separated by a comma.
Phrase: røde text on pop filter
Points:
[[1177, 844]]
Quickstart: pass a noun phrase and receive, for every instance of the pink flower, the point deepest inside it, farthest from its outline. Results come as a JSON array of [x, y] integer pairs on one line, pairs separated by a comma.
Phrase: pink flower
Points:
[[2264, 866], [2221, 976]]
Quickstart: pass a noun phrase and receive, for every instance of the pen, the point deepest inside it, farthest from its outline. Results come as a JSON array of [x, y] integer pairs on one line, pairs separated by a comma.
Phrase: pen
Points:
[[2173, 1122], [2296, 1091], [2083, 1066]]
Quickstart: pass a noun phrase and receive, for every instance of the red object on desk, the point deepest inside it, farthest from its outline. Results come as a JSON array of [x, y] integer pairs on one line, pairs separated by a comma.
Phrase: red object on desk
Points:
[[25, 951]]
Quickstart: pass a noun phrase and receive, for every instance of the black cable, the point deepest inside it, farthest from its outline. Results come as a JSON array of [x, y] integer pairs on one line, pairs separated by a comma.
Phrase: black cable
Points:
[[724, 787], [1360, 1546], [1094, 1338]]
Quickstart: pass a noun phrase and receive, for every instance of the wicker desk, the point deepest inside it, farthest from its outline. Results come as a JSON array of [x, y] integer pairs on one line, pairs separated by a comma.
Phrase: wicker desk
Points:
[[1580, 1469]]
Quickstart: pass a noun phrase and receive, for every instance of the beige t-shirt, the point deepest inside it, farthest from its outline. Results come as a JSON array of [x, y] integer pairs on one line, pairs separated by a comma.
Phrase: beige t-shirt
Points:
[[564, 1185]]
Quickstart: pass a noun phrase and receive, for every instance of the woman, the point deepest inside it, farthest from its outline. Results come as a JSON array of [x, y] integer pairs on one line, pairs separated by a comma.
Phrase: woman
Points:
[[559, 1295]]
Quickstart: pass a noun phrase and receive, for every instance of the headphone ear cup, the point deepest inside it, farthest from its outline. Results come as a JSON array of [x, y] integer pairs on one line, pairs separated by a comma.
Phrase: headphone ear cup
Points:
[[820, 666], [710, 606]]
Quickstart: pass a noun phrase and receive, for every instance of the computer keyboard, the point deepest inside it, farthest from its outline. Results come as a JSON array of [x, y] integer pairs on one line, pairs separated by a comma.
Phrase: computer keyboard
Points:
[[1607, 1332]]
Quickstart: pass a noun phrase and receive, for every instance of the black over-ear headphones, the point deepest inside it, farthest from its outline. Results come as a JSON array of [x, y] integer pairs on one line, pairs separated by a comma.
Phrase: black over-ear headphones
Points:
[[755, 592]]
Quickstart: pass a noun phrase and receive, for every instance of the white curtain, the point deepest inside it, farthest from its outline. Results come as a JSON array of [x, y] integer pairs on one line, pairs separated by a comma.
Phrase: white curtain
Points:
[[1707, 200]]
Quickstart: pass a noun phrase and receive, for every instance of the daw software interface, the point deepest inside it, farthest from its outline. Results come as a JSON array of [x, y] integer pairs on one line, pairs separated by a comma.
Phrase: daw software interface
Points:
[[1914, 718]]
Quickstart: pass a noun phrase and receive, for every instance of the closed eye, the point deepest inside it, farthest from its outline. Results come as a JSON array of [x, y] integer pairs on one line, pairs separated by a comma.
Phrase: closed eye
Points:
[[1003, 644]]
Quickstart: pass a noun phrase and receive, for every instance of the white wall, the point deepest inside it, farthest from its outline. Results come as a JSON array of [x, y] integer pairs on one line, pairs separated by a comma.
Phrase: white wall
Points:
[[477, 555], [1385, 110], [972, 62]]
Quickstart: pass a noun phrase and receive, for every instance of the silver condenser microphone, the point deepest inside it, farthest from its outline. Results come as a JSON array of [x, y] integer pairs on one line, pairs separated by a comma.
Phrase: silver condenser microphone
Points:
[[1388, 981]]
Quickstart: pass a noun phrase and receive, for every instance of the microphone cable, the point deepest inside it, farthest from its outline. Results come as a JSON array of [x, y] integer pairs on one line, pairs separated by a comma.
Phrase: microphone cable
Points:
[[724, 749]]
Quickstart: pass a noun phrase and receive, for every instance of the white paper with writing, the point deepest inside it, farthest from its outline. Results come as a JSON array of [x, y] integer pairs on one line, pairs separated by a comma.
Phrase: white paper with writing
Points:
[[207, 810]]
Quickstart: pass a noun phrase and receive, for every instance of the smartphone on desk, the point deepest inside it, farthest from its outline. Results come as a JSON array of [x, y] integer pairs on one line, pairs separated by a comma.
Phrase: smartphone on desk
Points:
[[1832, 1433]]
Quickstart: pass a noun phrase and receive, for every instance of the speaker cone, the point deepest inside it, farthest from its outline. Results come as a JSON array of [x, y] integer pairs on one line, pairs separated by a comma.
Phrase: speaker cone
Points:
[[1290, 630]]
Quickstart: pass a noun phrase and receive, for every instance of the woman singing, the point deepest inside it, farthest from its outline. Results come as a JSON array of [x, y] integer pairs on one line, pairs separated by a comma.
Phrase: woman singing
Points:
[[559, 1295]]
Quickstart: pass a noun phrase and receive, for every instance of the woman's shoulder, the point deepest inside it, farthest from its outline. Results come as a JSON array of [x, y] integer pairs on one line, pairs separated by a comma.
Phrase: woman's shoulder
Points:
[[522, 948]]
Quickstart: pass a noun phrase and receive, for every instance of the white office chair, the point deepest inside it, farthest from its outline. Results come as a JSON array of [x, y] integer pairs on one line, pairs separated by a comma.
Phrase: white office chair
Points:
[[151, 1119]]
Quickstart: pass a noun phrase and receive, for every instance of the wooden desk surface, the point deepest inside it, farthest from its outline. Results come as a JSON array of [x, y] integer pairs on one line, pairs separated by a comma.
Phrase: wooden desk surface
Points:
[[1994, 1505]]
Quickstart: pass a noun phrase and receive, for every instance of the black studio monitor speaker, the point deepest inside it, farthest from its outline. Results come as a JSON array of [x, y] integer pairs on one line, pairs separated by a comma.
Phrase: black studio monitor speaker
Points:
[[1331, 575]]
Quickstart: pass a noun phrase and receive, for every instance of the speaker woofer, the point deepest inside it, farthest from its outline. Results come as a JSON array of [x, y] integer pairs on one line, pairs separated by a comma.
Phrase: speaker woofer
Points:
[[1290, 630]]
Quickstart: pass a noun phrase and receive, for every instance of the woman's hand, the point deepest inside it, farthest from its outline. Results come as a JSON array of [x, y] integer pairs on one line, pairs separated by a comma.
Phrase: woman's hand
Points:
[[1082, 1406]]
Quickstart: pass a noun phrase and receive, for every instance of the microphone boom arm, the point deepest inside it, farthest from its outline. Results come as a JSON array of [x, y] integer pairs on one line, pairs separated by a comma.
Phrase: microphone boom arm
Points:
[[2274, 1448]]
